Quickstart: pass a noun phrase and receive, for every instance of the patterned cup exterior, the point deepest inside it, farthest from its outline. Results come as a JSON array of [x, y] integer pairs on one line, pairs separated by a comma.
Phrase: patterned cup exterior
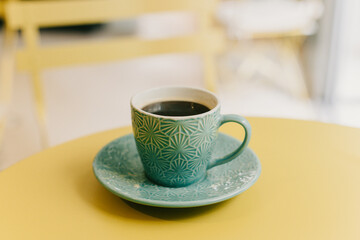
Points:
[[175, 153]]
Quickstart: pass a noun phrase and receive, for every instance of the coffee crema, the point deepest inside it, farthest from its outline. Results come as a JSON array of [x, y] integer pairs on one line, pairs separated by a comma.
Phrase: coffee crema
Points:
[[176, 108]]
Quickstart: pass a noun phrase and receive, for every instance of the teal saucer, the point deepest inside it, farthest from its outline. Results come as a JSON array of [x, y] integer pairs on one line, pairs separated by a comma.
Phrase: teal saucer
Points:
[[118, 168]]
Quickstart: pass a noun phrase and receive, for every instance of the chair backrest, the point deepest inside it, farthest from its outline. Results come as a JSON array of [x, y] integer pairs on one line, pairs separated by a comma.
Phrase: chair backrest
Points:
[[30, 16]]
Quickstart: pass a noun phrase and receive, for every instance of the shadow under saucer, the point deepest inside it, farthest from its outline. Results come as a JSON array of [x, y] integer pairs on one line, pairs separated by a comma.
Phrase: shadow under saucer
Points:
[[175, 213]]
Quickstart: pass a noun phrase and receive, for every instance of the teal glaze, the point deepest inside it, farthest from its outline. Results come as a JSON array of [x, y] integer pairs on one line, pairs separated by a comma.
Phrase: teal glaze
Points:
[[119, 169], [177, 152], [246, 125]]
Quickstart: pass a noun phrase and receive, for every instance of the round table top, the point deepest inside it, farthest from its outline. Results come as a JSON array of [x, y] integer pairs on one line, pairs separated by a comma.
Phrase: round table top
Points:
[[308, 189]]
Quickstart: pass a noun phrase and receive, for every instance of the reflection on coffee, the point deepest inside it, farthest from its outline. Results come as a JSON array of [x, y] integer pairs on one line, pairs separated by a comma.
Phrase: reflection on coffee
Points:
[[176, 108]]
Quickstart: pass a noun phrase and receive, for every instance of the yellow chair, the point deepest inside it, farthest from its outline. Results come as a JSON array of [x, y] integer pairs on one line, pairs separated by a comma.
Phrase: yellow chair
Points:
[[6, 70], [29, 16]]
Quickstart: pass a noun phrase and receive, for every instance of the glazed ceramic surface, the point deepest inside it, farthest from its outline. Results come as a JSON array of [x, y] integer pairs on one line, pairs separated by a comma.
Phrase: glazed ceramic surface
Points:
[[177, 151], [119, 169]]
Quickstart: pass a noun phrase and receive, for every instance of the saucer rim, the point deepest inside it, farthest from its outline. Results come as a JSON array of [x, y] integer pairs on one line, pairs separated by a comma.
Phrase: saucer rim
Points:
[[177, 204]]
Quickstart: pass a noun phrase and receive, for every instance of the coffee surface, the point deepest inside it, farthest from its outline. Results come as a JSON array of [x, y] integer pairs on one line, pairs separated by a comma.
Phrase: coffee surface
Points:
[[176, 108]]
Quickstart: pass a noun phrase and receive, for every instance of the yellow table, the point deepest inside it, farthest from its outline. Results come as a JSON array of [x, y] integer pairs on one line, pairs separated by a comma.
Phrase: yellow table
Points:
[[308, 189]]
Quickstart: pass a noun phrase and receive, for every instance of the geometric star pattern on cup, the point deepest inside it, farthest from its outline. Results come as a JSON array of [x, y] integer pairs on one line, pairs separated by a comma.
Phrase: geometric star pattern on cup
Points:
[[175, 150]]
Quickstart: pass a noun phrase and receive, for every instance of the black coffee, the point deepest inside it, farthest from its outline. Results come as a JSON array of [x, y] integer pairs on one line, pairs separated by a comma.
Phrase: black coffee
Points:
[[176, 108]]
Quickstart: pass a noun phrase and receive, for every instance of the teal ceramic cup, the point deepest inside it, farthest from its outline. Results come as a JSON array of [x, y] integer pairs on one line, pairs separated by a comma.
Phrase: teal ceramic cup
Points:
[[176, 151]]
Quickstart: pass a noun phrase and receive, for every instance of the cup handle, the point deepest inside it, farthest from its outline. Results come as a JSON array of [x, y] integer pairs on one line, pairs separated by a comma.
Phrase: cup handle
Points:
[[246, 125]]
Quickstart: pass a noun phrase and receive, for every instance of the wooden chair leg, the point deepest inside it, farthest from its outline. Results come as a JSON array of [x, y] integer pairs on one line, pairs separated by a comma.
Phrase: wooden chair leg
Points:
[[31, 36], [40, 108], [7, 66]]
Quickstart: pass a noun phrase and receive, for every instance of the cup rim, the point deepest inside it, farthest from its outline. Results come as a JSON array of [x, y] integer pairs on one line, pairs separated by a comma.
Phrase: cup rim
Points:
[[212, 110]]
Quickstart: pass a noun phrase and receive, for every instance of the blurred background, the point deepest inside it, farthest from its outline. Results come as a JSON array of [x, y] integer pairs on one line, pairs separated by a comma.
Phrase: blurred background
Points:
[[65, 75]]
